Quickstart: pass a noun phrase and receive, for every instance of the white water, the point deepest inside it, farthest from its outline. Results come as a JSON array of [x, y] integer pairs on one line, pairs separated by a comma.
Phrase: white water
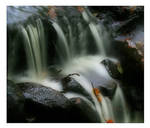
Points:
[[87, 86], [94, 30], [62, 46], [91, 70], [122, 114], [35, 47]]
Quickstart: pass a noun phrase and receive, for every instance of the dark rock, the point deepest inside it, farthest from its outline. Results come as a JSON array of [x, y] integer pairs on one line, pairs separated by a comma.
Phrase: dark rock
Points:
[[109, 92], [133, 74], [36, 103], [84, 111], [15, 103], [71, 85], [44, 104], [135, 98], [112, 68]]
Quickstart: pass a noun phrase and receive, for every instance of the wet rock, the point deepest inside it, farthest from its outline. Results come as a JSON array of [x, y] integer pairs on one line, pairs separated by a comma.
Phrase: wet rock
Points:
[[113, 69], [84, 111], [44, 104], [15, 103], [36, 103], [109, 92], [71, 85]]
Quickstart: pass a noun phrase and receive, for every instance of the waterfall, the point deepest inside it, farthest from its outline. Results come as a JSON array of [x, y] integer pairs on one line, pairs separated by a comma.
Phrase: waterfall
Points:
[[94, 30], [34, 42], [91, 71], [120, 106], [62, 43], [75, 57]]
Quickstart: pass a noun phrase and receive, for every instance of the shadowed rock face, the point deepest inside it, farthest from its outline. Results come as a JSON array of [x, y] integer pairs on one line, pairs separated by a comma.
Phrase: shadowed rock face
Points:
[[85, 111], [38, 104], [15, 103], [45, 104], [43, 95]]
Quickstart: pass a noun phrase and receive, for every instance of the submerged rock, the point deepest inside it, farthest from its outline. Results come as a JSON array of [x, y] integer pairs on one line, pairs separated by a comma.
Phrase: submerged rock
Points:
[[71, 85], [15, 103]]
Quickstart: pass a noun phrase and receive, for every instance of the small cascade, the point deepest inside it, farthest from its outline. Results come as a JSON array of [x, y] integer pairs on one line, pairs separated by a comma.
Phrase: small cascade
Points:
[[93, 72], [34, 41], [69, 46], [120, 106], [87, 86], [94, 30], [62, 45], [97, 38]]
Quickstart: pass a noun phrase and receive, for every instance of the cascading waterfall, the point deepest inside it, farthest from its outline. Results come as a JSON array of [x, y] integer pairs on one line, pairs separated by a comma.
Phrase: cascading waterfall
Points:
[[62, 42], [35, 48], [91, 71], [81, 66], [94, 30], [88, 66], [122, 115]]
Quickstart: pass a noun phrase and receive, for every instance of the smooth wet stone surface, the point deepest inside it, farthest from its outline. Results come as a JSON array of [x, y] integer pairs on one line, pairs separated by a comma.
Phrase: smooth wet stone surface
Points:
[[112, 68]]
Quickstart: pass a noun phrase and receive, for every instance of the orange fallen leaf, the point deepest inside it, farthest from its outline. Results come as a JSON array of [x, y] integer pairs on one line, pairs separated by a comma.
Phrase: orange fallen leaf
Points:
[[96, 91], [97, 94], [99, 99], [109, 121], [126, 39]]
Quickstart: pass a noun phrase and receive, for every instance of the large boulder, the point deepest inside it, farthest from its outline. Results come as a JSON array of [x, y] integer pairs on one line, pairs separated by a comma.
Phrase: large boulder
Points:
[[44, 104], [36, 103]]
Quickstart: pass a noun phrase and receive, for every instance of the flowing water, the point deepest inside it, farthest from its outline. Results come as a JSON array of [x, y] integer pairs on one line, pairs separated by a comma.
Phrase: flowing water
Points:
[[35, 50], [80, 47]]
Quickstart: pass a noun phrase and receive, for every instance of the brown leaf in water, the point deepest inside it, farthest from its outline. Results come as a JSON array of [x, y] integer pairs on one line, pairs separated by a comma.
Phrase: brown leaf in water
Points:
[[109, 121], [96, 91], [99, 98], [97, 94]]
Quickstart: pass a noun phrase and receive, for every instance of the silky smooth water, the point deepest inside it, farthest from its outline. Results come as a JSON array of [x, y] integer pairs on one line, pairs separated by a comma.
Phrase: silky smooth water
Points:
[[75, 56], [34, 42]]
